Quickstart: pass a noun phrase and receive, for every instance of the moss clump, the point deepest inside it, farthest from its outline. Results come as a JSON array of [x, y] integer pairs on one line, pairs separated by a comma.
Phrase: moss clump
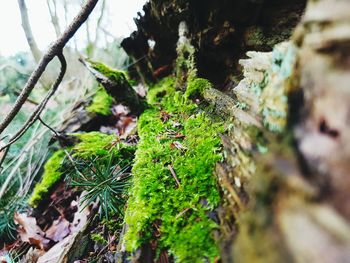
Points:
[[117, 76], [196, 86], [97, 144], [52, 175], [162, 89], [101, 103], [98, 238], [118, 86], [93, 144], [187, 142]]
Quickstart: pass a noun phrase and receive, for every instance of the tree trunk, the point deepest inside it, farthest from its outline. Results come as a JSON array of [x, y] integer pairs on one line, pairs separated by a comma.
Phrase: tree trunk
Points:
[[28, 31]]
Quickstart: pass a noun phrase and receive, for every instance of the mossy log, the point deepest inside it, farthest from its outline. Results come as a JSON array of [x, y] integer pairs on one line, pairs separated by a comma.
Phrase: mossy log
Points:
[[116, 85], [284, 179], [93, 112]]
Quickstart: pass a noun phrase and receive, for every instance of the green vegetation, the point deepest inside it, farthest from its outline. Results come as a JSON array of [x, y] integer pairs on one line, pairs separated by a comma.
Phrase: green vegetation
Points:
[[100, 168], [93, 144], [117, 76], [52, 175], [93, 148], [8, 227], [100, 145], [118, 86], [196, 87], [103, 179], [98, 238], [174, 189], [101, 103]]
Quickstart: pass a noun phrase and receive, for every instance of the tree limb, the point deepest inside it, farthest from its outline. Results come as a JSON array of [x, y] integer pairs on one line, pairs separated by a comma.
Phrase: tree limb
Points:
[[99, 22], [38, 110], [54, 16], [55, 49]]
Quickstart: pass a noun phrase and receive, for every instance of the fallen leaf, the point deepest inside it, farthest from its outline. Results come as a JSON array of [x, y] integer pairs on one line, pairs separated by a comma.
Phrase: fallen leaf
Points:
[[30, 232], [59, 230], [80, 217]]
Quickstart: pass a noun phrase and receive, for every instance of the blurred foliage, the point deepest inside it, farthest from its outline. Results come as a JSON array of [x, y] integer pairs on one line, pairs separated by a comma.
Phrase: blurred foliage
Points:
[[14, 72]]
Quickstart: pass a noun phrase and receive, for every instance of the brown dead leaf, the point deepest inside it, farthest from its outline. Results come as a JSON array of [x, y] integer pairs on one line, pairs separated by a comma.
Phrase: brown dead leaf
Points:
[[30, 232], [59, 229]]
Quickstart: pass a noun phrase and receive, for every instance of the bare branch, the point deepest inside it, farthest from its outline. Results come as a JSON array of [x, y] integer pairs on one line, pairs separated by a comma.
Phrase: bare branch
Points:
[[99, 22], [54, 16], [28, 31], [54, 50], [38, 110]]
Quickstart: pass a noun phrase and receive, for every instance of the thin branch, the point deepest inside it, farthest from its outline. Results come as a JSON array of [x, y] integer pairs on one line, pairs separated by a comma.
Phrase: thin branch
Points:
[[38, 110], [49, 127], [54, 50], [3, 154], [28, 100], [54, 16], [99, 22]]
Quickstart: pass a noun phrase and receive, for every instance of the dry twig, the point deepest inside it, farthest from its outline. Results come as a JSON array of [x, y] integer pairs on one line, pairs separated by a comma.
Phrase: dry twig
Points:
[[174, 175]]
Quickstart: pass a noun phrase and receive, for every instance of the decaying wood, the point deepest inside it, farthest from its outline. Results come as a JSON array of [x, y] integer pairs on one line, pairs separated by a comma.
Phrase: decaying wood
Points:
[[79, 119], [298, 209], [323, 129], [289, 200], [220, 31], [121, 91]]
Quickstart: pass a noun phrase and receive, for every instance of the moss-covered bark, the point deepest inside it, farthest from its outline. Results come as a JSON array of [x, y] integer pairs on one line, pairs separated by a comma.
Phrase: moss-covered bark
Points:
[[174, 191]]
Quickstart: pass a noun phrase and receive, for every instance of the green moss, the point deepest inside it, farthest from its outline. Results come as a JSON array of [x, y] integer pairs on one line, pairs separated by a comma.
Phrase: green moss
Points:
[[117, 76], [97, 144], [93, 144], [52, 175], [196, 86], [181, 212], [101, 103], [98, 238], [162, 89]]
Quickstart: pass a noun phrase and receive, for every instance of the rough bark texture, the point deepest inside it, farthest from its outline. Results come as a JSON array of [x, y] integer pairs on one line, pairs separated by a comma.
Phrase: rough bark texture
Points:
[[220, 31]]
